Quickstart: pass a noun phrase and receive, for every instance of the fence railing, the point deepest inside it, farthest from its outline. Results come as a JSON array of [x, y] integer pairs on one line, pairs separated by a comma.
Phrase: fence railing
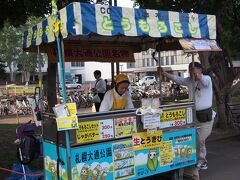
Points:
[[17, 90]]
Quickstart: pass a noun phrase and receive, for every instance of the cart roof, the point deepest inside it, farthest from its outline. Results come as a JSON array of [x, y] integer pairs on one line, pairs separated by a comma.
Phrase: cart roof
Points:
[[140, 29]]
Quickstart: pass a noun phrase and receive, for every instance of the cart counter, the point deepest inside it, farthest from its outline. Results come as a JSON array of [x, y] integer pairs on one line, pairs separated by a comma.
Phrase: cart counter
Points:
[[94, 127], [114, 145]]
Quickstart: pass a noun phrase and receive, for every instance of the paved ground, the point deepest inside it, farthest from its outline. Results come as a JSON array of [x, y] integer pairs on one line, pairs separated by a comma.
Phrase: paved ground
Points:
[[223, 159]]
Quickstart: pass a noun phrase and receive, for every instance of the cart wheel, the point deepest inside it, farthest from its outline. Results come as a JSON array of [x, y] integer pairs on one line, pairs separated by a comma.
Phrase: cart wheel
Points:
[[177, 174]]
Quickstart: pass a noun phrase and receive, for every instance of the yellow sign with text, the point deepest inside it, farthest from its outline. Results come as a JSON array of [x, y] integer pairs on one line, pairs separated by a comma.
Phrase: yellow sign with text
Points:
[[95, 131], [65, 123], [125, 126], [88, 131], [166, 153], [172, 115], [72, 108], [144, 141]]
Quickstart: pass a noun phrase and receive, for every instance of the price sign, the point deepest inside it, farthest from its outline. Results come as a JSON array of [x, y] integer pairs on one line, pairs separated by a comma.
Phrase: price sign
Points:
[[94, 131], [106, 129], [179, 114], [173, 118]]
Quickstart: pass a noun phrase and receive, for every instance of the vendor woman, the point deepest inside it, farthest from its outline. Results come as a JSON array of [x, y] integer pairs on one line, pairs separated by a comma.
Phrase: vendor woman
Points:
[[118, 97]]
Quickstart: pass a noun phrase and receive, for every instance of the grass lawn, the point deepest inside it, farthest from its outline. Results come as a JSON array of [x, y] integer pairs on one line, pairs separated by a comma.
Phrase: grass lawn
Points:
[[8, 150]]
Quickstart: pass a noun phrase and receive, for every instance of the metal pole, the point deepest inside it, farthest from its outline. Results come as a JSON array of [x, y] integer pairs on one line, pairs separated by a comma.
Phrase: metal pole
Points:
[[112, 71], [160, 75], [117, 68], [117, 64], [40, 80], [193, 79], [112, 64], [23, 166], [62, 78], [61, 71]]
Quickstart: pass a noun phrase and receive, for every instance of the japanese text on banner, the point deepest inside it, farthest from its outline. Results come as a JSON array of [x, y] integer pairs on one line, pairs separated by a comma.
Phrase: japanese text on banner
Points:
[[94, 131], [143, 140], [172, 115], [93, 155]]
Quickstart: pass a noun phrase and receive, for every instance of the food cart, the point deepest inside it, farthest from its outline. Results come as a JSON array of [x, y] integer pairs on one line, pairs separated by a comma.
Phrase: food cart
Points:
[[118, 144]]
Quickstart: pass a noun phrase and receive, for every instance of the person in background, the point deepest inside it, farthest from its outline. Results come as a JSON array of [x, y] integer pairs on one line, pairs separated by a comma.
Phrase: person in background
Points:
[[107, 85], [118, 97], [99, 88], [200, 87]]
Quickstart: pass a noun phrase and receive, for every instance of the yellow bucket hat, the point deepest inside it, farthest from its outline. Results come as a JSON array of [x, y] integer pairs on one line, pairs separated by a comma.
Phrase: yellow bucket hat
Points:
[[121, 78]]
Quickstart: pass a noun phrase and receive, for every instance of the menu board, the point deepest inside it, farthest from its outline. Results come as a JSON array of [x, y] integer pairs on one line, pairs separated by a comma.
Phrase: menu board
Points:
[[94, 131], [123, 159]]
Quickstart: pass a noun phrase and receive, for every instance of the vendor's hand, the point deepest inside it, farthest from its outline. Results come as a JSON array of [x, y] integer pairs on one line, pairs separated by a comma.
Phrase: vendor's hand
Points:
[[197, 74]]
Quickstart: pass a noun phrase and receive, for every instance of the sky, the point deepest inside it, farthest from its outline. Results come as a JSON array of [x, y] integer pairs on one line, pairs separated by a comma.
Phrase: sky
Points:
[[125, 3]]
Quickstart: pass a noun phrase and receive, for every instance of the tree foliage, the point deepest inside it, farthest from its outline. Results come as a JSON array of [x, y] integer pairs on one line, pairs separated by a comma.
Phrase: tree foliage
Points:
[[11, 47], [3, 74], [219, 65], [16, 12], [227, 12]]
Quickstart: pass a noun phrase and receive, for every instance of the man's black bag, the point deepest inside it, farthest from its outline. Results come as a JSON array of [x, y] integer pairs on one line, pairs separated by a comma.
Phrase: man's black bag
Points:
[[204, 115]]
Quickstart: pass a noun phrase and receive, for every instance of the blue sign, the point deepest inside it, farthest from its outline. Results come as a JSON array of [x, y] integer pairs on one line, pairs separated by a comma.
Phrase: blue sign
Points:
[[118, 160], [92, 162], [178, 150], [50, 162]]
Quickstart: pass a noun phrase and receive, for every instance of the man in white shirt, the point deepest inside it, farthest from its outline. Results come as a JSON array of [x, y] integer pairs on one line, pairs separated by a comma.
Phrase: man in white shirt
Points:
[[200, 89], [100, 88]]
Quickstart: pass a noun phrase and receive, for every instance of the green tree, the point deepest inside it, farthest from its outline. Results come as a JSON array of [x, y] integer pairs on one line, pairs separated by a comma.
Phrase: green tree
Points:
[[10, 39], [11, 49], [17, 12], [219, 65], [3, 74], [27, 64]]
